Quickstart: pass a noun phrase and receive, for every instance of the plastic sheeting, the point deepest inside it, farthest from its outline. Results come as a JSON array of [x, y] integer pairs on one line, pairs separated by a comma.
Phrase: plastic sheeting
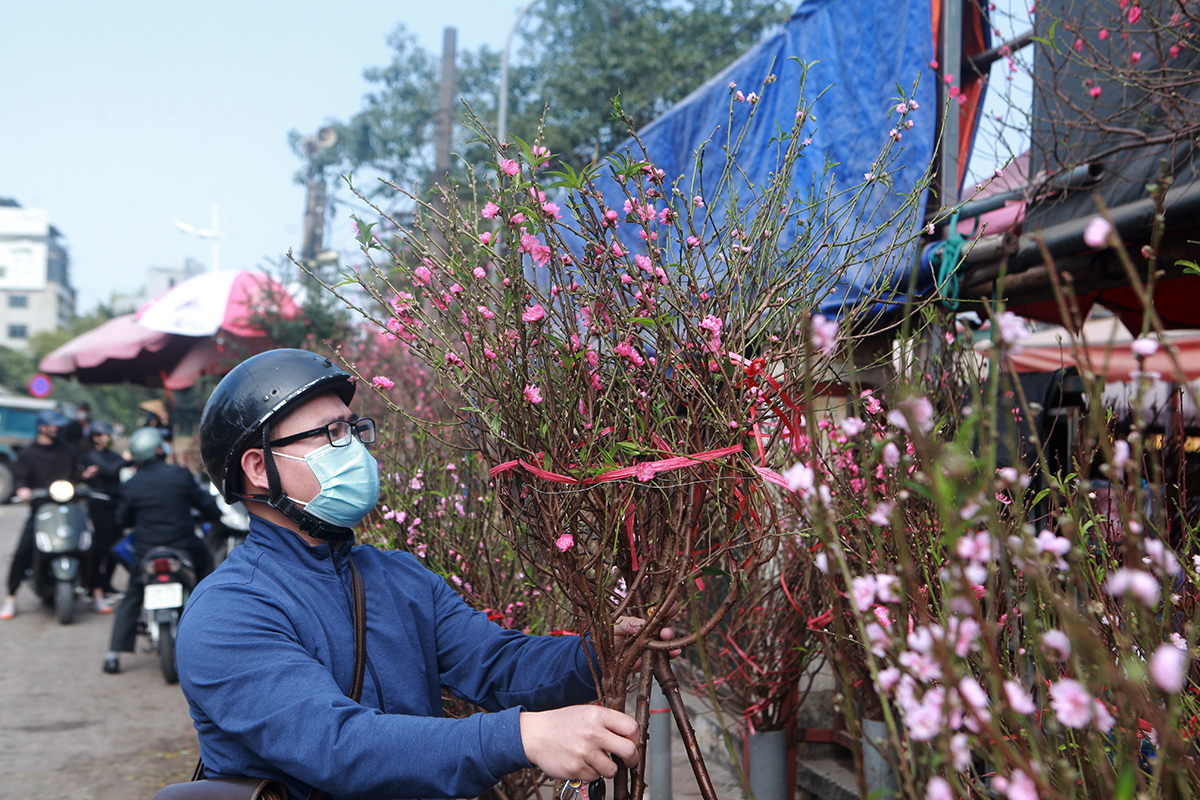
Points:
[[861, 54]]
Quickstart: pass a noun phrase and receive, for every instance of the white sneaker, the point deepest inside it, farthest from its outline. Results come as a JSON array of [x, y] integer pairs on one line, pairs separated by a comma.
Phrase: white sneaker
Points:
[[101, 606], [9, 610]]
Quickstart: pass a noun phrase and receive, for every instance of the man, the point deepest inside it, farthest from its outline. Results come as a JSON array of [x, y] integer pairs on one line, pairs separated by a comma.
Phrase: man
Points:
[[38, 465], [265, 648], [77, 432], [102, 471], [157, 502]]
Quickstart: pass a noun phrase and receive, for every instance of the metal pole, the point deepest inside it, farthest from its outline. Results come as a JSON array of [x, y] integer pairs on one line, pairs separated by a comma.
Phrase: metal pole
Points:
[[446, 91], [216, 238], [658, 750], [951, 60], [502, 116]]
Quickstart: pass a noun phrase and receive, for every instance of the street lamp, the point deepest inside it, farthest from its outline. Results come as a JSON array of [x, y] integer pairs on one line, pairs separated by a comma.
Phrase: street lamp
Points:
[[213, 234], [502, 121]]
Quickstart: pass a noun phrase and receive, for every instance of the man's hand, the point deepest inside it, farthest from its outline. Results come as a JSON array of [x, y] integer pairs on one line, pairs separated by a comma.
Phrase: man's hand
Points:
[[630, 627], [24, 493], [575, 742]]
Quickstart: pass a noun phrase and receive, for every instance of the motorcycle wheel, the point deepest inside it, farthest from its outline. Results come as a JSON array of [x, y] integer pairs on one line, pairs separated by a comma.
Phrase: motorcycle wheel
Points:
[[64, 602], [166, 651]]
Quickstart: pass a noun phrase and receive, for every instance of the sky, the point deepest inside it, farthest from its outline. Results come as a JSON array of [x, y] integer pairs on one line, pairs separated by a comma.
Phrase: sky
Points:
[[119, 117]]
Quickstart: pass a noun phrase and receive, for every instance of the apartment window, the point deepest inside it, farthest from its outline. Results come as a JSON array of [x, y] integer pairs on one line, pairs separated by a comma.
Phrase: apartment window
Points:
[[18, 332], [18, 301]]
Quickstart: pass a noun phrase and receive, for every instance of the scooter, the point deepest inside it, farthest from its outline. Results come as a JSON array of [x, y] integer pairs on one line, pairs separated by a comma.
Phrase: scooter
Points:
[[62, 537], [169, 577]]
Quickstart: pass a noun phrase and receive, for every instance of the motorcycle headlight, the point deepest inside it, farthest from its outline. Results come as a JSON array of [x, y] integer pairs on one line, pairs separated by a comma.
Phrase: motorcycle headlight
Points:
[[62, 491]]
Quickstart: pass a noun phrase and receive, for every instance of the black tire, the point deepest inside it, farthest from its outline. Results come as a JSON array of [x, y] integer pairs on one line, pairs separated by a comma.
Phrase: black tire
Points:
[[6, 482], [166, 651], [64, 602]]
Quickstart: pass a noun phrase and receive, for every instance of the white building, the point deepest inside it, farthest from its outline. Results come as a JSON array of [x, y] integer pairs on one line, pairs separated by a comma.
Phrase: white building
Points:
[[35, 281], [158, 281]]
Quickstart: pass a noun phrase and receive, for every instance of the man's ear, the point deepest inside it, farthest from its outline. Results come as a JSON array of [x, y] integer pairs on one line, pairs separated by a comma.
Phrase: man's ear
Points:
[[254, 468]]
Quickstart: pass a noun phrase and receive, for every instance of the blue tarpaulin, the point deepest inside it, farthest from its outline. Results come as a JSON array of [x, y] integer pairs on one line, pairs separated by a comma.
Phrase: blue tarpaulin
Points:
[[864, 57]]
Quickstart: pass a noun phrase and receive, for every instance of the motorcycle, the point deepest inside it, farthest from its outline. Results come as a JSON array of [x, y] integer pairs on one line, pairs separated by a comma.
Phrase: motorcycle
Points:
[[229, 531], [169, 578], [62, 537]]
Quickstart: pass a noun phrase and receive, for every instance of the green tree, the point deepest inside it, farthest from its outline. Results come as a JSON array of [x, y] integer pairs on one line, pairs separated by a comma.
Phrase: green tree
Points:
[[16, 369], [579, 54], [572, 58]]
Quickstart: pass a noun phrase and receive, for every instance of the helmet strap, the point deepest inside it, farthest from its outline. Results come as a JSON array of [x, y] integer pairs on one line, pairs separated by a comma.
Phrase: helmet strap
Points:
[[279, 500]]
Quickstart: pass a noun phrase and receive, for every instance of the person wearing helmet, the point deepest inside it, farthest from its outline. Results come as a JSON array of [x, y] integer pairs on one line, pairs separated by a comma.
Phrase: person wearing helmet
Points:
[[157, 503], [102, 471], [265, 648], [38, 465]]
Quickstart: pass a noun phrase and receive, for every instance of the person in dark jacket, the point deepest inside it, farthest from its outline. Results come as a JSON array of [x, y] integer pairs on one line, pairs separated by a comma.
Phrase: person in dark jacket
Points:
[[157, 503], [102, 471], [38, 465], [78, 431], [265, 647]]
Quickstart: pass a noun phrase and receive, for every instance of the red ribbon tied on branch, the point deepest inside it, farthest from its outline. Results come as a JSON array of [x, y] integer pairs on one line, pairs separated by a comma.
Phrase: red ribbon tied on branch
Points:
[[643, 472]]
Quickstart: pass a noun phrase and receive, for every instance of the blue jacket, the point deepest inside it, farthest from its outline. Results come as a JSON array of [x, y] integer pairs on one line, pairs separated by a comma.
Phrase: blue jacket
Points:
[[265, 652]]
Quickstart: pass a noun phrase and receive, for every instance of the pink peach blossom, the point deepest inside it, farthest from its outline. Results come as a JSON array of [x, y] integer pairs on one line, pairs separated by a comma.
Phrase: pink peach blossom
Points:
[[1144, 346], [1072, 703], [1056, 645], [1141, 585], [1018, 698], [938, 789], [1168, 668], [852, 426], [824, 334], [1097, 232]]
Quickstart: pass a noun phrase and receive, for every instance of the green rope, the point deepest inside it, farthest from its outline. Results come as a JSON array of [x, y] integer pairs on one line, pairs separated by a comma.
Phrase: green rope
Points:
[[946, 257]]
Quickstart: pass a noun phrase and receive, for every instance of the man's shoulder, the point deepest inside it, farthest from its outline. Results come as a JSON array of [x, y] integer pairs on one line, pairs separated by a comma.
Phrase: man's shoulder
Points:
[[238, 579], [373, 554], [400, 567]]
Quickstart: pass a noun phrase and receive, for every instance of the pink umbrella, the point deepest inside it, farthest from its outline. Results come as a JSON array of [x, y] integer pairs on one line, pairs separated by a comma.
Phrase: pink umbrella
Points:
[[203, 326], [1105, 347], [218, 301], [117, 351]]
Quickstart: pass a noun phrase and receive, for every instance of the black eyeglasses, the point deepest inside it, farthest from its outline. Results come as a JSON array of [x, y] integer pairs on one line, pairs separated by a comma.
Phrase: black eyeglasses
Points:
[[338, 432]]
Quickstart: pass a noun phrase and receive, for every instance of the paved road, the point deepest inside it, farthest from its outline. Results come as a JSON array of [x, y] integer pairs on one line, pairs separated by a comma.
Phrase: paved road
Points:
[[70, 732], [66, 729]]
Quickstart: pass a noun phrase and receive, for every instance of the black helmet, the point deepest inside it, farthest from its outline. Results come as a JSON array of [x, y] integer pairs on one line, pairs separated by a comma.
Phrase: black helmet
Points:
[[100, 428], [238, 413], [52, 418]]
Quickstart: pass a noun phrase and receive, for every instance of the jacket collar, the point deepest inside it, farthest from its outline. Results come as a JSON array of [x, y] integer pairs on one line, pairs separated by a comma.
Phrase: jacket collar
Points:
[[286, 544]]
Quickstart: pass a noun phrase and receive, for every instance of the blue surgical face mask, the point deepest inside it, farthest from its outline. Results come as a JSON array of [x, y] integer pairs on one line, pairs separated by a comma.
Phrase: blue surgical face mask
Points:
[[349, 479]]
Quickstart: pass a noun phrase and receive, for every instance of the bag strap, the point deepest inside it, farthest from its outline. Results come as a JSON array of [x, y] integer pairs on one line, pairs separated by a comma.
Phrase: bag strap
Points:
[[359, 597], [359, 610]]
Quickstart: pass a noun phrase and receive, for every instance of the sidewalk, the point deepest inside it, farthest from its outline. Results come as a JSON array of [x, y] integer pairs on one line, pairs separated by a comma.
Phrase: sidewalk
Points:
[[709, 735]]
